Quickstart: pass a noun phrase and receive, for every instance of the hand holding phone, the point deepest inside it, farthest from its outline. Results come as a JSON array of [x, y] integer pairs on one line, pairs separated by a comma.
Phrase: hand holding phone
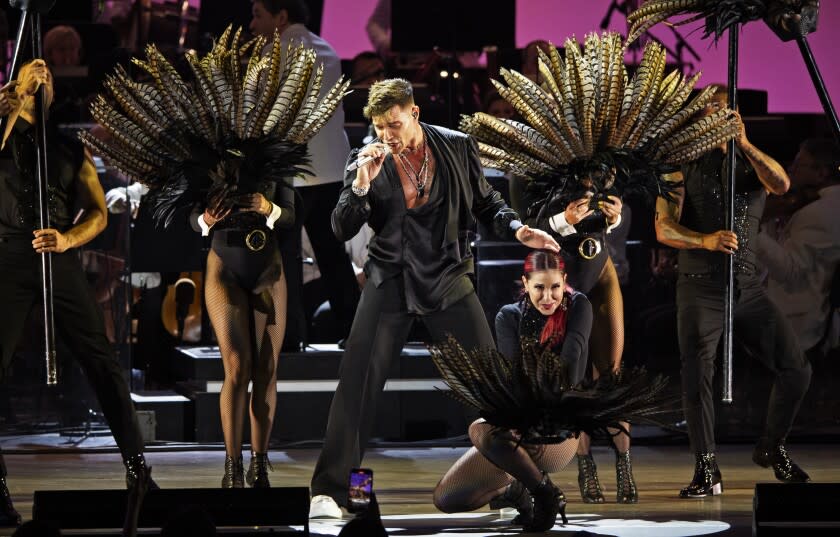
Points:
[[611, 207]]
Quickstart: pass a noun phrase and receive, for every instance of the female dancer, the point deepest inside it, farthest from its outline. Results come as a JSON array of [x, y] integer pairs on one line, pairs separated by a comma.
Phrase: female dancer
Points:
[[245, 293], [500, 466], [224, 143]]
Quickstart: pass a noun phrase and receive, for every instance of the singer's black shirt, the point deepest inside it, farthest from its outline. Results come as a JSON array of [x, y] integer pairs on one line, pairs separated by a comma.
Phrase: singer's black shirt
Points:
[[428, 246]]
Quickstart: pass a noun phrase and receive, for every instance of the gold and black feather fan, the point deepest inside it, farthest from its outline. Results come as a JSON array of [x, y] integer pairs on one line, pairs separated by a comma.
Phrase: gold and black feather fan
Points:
[[230, 124], [588, 123]]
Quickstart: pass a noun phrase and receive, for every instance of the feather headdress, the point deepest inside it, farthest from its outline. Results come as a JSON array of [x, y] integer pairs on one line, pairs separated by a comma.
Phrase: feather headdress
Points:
[[786, 17], [588, 123], [534, 395], [222, 130]]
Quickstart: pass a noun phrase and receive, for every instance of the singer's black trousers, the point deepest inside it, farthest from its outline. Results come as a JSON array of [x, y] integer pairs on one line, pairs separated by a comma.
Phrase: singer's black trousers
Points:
[[758, 326], [79, 326], [379, 331]]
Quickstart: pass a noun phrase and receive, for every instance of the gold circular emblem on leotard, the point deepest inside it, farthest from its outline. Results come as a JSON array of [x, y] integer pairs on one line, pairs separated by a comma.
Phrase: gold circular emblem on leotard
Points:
[[256, 240], [589, 248]]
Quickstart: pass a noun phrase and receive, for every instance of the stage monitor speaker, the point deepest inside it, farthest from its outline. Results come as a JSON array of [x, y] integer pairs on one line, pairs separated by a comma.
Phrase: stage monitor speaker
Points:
[[90, 509], [788, 509]]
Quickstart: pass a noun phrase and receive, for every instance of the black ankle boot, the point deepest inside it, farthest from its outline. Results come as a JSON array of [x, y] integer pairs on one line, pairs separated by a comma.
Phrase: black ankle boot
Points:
[[548, 501], [516, 496], [768, 454], [136, 470], [8, 514], [234, 473], [625, 483], [706, 480], [138, 480], [590, 488], [257, 475]]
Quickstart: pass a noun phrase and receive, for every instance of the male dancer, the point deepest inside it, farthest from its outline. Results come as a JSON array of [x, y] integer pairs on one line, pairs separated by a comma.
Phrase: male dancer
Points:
[[420, 194], [73, 184], [693, 224]]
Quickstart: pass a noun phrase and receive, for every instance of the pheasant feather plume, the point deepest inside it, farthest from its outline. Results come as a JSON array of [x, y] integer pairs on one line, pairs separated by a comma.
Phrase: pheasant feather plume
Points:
[[587, 122], [238, 118]]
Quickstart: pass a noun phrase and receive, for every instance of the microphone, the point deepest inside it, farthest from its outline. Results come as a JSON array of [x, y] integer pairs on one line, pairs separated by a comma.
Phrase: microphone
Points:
[[363, 161], [360, 162]]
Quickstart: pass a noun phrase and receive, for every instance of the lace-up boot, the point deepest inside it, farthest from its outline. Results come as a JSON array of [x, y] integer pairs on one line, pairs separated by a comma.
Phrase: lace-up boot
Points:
[[590, 488], [234, 473], [257, 475]]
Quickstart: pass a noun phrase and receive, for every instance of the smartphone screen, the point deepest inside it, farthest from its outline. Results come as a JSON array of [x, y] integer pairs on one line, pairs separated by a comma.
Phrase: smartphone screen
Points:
[[360, 488]]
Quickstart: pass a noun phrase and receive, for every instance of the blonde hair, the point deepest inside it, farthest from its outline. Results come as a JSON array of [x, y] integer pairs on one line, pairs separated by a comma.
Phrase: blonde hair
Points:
[[49, 91], [386, 94]]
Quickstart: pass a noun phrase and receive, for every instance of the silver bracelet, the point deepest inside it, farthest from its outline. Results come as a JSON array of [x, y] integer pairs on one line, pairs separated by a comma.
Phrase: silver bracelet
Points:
[[359, 191]]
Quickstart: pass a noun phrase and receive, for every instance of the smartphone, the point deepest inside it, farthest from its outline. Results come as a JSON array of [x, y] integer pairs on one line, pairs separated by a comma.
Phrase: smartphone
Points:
[[359, 489], [596, 201]]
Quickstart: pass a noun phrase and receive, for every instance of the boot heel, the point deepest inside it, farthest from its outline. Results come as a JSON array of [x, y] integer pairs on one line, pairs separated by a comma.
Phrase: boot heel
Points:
[[717, 489]]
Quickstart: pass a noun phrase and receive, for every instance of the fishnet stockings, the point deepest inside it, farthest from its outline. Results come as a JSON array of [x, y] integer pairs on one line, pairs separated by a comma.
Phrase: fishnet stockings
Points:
[[606, 341], [484, 471], [243, 333]]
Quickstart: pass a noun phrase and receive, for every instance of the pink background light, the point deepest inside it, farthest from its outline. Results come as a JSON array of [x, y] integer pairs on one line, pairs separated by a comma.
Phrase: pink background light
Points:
[[765, 61]]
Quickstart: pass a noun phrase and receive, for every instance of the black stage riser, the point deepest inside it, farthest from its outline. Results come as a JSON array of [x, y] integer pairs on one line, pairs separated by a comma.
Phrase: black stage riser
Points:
[[89, 509], [795, 509], [400, 416], [205, 363]]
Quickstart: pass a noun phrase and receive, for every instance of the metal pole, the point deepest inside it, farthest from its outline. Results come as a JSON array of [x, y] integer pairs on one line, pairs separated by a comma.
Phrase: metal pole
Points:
[[729, 215], [43, 206], [819, 85]]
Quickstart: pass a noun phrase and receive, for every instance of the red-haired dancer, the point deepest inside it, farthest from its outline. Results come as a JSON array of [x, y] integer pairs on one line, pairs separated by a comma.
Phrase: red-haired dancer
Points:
[[500, 467]]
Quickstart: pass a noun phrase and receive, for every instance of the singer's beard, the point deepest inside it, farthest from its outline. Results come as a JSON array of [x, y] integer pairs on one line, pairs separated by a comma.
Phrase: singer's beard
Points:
[[404, 149]]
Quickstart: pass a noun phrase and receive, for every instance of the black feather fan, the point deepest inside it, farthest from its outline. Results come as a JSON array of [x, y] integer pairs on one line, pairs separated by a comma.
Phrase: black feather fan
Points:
[[534, 395]]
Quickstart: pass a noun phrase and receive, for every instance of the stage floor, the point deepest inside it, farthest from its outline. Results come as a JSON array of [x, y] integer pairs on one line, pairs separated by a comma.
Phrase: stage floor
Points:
[[404, 479]]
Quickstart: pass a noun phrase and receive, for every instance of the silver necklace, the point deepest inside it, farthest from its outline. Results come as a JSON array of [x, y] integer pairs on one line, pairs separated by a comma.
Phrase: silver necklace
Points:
[[420, 178]]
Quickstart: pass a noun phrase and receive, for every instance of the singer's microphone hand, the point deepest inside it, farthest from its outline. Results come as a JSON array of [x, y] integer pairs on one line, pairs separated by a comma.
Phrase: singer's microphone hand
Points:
[[368, 172]]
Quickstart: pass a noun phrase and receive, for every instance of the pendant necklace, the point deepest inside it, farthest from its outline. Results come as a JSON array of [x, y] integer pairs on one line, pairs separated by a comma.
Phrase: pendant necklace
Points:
[[418, 178]]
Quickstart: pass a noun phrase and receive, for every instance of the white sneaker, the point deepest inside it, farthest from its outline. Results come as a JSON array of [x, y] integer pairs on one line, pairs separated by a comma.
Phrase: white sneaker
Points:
[[324, 507]]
